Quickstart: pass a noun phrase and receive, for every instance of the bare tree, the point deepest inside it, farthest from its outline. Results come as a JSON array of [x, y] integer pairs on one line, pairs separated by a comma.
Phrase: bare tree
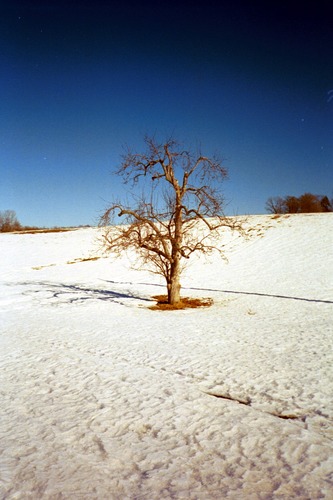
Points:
[[8, 221], [326, 204], [292, 204], [310, 203], [275, 205], [179, 212]]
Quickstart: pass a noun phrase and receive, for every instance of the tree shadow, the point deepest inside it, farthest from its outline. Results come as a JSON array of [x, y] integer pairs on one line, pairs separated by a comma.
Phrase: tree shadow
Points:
[[258, 294], [74, 293], [71, 294]]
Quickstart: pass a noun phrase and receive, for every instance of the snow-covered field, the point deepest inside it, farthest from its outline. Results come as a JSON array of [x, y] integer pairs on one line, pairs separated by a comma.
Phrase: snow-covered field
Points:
[[102, 398]]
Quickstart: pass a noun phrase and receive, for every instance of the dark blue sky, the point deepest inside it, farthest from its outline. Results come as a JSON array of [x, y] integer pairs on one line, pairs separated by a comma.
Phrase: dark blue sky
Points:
[[81, 79]]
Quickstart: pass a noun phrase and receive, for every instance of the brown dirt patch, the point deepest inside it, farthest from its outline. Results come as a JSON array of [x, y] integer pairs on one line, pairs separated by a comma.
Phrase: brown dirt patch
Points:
[[185, 303], [87, 259]]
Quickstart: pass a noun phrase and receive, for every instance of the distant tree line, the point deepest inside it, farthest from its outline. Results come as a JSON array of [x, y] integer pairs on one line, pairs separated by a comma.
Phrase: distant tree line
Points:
[[10, 223], [306, 203]]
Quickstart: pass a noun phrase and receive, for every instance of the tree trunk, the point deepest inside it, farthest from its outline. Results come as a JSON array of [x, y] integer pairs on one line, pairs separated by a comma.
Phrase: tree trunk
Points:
[[174, 284], [175, 271]]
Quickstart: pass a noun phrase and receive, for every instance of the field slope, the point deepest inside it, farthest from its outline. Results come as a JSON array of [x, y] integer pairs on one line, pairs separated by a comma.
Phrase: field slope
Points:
[[103, 398]]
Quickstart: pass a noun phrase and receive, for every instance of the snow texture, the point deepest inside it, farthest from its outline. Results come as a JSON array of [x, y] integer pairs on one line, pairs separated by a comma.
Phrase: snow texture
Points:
[[103, 398]]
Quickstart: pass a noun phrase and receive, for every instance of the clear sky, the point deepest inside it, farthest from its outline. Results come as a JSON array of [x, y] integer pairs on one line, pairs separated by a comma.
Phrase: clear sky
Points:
[[81, 79]]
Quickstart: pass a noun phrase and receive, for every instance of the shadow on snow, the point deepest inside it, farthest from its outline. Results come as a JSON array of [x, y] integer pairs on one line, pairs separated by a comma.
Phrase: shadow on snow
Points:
[[259, 294], [74, 293]]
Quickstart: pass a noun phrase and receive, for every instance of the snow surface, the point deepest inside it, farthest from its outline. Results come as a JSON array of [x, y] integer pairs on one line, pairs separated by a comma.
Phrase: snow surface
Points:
[[103, 398]]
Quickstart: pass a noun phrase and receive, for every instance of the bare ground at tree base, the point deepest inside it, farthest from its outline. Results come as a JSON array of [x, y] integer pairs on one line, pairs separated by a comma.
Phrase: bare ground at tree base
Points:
[[185, 303]]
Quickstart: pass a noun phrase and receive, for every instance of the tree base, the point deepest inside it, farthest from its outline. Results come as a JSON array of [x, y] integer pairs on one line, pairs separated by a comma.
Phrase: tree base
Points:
[[184, 303]]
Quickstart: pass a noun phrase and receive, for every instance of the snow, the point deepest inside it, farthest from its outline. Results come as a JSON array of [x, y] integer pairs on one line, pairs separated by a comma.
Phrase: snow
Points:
[[103, 398]]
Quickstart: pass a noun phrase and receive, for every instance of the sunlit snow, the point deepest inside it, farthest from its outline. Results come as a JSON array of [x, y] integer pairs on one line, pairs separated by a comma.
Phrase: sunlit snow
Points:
[[103, 398]]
